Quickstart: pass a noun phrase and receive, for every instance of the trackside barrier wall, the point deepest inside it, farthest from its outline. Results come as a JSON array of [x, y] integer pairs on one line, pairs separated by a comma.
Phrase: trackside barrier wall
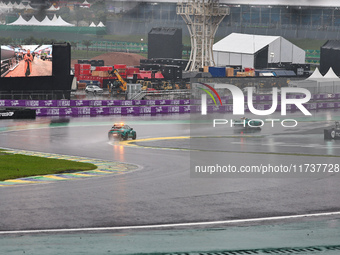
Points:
[[139, 107], [140, 110], [81, 103]]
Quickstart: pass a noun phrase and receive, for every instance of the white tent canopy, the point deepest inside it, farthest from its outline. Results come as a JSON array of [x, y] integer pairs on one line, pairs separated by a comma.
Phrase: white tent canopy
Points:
[[243, 49], [5, 8], [43, 47], [29, 47], [315, 75], [45, 22], [316, 83], [28, 7], [243, 43], [53, 8], [92, 25], [33, 22], [331, 75], [11, 6], [19, 22], [100, 24], [21, 6], [62, 22], [55, 18]]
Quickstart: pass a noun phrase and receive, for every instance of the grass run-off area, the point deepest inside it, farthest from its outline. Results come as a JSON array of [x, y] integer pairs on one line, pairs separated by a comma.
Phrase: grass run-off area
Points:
[[16, 166]]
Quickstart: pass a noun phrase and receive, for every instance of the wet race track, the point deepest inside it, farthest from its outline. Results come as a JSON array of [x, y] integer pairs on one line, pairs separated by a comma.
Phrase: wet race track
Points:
[[164, 189]]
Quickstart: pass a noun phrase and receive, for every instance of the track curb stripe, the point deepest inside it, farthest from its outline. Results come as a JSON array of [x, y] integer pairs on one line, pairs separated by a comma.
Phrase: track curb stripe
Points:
[[104, 168]]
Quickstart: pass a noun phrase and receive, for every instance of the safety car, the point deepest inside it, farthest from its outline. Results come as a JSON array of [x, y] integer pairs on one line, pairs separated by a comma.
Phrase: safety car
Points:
[[120, 131]]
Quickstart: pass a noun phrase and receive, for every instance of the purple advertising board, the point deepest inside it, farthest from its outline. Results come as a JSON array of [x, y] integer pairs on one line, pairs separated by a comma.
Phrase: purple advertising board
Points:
[[80, 103]]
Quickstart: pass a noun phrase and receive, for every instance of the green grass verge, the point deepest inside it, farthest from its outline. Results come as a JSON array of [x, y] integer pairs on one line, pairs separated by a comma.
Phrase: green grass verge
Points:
[[16, 166]]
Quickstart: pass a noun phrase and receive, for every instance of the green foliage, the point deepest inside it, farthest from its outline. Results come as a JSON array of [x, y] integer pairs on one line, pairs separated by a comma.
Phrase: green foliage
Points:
[[63, 11], [100, 16], [98, 6], [5, 40], [87, 43], [30, 40], [73, 44]]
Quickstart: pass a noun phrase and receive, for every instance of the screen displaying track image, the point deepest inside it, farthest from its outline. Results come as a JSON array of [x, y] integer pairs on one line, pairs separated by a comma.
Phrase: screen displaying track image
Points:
[[26, 60]]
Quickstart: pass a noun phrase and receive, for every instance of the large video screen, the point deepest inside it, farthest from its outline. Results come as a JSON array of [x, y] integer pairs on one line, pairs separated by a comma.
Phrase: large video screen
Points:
[[26, 60]]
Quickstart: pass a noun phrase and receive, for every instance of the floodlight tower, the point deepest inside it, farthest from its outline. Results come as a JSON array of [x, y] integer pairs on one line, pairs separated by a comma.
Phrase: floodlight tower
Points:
[[202, 18]]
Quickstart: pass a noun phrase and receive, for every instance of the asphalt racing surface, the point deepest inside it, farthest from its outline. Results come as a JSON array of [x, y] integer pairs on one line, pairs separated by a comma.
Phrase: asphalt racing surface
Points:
[[163, 189]]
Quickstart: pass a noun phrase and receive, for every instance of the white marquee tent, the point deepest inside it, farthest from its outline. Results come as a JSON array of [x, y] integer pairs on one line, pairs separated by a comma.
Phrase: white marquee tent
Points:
[[19, 22], [61, 22], [34, 22], [10, 6], [100, 24], [315, 75], [45, 22], [331, 75], [52, 8], [54, 19], [316, 83], [256, 51]]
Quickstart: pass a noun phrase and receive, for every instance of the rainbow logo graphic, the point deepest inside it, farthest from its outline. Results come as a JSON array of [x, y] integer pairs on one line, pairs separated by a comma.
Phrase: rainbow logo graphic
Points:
[[204, 97]]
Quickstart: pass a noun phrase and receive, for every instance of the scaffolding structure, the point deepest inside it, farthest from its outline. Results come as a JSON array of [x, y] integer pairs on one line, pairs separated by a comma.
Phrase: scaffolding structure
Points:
[[202, 18]]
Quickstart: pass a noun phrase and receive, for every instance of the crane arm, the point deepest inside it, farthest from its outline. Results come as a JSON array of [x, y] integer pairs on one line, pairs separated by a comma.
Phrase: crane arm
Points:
[[124, 83]]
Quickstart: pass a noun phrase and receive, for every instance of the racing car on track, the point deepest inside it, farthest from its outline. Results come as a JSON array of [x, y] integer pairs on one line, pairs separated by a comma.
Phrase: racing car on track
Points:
[[333, 133], [120, 131], [248, 123]]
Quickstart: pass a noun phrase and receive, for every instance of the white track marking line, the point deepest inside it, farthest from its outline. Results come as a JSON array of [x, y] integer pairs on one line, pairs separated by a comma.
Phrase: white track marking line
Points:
[[170, 225]]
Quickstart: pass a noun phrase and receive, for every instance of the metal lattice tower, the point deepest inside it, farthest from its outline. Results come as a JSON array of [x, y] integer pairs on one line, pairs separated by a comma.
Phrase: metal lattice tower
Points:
[[202, 18]]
